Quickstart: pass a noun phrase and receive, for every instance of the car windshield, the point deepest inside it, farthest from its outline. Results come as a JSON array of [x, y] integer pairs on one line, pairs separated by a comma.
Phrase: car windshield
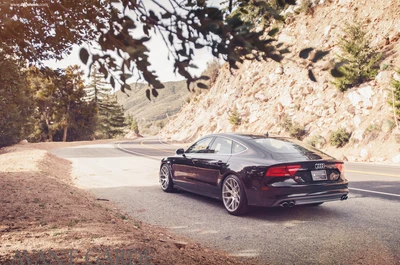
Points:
[[284, 149]]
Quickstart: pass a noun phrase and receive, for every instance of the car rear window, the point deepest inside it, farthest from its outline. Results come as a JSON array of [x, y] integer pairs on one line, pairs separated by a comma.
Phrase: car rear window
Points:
[[289, 148]]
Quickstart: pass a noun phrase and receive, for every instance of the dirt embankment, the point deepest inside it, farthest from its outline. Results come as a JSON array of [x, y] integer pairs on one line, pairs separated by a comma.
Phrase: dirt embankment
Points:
[[45, 218]]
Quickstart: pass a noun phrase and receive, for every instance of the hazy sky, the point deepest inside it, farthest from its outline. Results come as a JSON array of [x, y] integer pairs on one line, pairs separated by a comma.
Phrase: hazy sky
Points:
[[158, 57]]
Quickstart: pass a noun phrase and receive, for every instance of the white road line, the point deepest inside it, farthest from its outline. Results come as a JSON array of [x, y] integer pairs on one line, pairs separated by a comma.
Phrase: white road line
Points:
[[136, 153], [377, 192]]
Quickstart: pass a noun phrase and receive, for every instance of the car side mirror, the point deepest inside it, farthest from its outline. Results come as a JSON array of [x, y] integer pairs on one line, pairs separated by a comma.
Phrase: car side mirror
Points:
[[180, 151]]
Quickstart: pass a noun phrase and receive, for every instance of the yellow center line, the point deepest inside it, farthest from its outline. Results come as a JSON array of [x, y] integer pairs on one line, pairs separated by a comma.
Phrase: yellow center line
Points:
[[373, 173], [158, 149]]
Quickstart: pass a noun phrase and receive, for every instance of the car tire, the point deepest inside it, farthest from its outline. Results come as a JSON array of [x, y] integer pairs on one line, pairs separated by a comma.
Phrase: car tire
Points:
[[165, 179], [234, 196]]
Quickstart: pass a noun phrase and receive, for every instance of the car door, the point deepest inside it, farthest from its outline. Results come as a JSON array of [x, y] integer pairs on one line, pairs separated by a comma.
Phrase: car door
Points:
[[187, 167], [212, 166]]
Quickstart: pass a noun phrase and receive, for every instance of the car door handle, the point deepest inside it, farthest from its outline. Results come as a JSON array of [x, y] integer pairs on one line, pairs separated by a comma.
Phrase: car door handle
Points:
[[195, 160]]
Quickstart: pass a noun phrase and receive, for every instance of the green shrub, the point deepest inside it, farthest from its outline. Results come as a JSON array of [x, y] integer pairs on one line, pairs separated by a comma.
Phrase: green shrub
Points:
[[339, 138], [395, 100], [286, 124], [358, 62], [234, 117], [316, 141], [295, 130], [372, 132], [134, 126]]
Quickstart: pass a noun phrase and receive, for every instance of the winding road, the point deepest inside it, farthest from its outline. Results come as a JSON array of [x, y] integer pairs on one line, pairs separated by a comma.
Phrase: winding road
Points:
[[365, 229]]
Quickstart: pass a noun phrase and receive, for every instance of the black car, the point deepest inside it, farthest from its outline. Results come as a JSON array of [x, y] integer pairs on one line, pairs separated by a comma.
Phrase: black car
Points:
[[243, 170]]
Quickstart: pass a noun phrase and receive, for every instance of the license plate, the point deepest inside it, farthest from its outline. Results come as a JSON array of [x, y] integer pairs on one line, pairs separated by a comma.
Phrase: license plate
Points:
[[318, 175]]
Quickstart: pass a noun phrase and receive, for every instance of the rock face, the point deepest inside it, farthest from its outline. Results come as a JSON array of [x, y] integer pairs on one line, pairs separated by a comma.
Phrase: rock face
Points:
[[265, 94]]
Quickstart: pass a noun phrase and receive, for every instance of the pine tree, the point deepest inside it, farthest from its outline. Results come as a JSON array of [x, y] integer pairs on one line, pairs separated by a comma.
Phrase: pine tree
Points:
[[111, 120], [359, 59], [97, 88], [110, 115]]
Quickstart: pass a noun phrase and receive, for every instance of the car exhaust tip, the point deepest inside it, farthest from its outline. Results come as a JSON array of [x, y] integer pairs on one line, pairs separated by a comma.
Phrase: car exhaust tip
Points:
[[344, 197], [284, 204], [287, 204]]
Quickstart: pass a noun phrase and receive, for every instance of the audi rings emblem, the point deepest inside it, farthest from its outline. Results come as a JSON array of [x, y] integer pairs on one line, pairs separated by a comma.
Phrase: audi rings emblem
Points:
[[319, 166]]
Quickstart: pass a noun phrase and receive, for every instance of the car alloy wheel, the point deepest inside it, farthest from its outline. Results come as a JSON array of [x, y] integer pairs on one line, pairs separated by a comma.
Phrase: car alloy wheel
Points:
[[233, 196], [165, 179]]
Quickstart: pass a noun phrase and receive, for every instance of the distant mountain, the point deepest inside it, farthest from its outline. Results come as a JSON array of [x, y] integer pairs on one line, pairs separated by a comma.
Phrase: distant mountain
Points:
[[151, 115]]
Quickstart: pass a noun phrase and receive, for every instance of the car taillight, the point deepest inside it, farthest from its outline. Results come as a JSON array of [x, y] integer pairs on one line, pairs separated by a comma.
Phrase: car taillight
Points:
[[282, 171], [340, 167]]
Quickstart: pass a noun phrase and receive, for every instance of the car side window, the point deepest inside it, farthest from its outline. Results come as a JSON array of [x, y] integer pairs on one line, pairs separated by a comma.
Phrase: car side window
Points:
[[200, 146], [238, 148], [221, 146]]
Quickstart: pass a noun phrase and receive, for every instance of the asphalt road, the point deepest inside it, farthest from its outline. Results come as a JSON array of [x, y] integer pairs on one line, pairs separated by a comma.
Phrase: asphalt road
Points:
[[365, 229]]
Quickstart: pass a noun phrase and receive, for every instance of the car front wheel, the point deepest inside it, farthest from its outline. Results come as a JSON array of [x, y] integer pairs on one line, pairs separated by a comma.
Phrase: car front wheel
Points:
[[234, 196], [165, 179]]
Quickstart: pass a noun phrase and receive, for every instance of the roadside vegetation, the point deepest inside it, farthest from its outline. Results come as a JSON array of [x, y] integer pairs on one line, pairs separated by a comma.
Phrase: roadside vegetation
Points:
[[339, 138], [294, 129], [16, 104], [55, 105], [234, 117], [358, 61], [395, 100]]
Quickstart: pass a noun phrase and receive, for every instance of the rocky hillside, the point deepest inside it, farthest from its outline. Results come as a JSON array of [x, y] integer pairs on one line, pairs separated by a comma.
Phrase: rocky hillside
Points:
[[273, 97]]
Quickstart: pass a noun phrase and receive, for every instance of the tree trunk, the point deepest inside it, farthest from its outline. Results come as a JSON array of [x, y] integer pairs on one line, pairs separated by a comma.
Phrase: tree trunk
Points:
[[65, 133]]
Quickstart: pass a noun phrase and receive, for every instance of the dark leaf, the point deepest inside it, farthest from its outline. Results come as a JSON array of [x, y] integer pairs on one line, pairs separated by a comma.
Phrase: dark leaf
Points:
[[275, 57], [198, 46], [335, 72], [204, 77], [112, 82], [311, 75], [281, 3], [157, 84], [319, 55], [273, 31], [290, 2], [284, 51], [305, 53], [84, 55], [148, 94], [154, 92], [166, 15], [202, 86], [124, 77], [171, 39]]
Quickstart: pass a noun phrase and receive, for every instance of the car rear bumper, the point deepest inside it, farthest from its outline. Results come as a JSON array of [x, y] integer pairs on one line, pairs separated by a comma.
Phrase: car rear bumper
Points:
[[294, 196]]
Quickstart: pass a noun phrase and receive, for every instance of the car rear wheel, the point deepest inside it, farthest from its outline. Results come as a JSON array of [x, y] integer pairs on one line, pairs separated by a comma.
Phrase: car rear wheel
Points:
[[234, 196], [165, 179]]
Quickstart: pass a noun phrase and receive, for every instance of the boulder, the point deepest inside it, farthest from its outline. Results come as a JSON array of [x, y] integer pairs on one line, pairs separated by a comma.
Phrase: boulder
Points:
[[357, 120], [286, 100], [366, 92], [354, 98]]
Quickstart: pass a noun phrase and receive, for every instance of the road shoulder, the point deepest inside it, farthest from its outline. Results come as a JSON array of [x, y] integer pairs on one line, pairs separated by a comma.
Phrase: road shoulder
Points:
[[44, 214]]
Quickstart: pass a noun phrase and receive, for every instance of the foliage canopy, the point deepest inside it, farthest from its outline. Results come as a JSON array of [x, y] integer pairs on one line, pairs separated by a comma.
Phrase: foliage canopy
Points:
[[122, 29]]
